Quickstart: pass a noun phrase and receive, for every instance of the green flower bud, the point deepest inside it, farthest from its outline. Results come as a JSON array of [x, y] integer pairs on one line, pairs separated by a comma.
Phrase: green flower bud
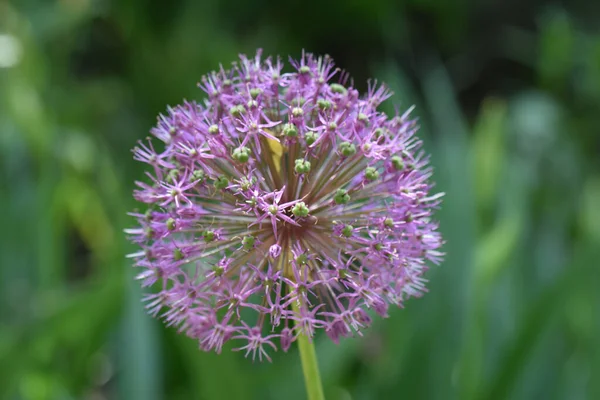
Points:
[[388, 222], [302, 166], [213, 129], [378, 246], [248, 242], [297, 112], [311, 137], [197, 175], [347, 149], [371, 173], [363, 118], [273, 209], [171, 224], [218, 270], [290, 130], [245, 183], [268, 282], [305, 69], [241, 154], [300, 210], [324, 104], [337, 88], [174, 174], [397, 163], [178, 254], [208, 236], [252, 104], [227, 83], [237, 111], [347, 230], [255, 92], [222, 182], [341, 197], [302, 259], [149, 232]]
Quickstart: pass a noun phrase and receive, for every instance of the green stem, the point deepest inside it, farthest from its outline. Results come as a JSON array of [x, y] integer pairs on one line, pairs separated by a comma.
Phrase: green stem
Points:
[[310, 366]]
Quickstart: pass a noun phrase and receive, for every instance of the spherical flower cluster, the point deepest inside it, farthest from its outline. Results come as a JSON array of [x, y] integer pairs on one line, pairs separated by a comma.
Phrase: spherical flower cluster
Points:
[[283, 204]]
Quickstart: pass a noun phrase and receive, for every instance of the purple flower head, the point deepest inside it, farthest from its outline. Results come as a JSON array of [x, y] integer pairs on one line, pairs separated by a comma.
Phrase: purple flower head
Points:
[[284, 204]]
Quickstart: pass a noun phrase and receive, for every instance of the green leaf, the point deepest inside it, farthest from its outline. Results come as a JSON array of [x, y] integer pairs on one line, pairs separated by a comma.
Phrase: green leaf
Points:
[[488, 147]]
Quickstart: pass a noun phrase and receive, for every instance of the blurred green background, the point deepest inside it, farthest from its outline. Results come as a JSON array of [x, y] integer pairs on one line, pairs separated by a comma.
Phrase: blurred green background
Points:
[[508, 94]]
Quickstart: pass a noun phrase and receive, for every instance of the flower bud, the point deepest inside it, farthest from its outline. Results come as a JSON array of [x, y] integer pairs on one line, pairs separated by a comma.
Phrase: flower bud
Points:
[[347, 149], [290, 130], [300, 210], [237, 111], [197, 176], [341, 197], [324, 104], [337, 88], [255, 92], [171, 224], [347, 230], [221, 182], [241, 154], [397, 163], [302, 166], [311, 137], [297, 112], [178, 254], [208, 236], [302, 259], [304, 70], [371, 173], [248, 242], [213, 129]]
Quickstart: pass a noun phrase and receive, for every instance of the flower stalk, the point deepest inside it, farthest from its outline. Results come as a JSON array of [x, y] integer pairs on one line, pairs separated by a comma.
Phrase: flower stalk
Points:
[[310, 365]]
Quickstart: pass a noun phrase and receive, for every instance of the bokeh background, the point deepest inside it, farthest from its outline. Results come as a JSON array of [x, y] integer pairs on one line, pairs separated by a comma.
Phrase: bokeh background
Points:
[[508, 95]]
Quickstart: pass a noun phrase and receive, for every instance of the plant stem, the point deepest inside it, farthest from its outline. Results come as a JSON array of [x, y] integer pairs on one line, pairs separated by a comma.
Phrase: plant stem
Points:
[[310, 366]]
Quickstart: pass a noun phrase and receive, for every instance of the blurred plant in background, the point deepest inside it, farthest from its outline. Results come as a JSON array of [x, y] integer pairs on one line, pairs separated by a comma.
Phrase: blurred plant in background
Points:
[[508, 96]]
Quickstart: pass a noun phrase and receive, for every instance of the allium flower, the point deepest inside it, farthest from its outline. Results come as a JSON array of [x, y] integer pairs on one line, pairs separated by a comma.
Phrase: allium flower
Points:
[[283, 204]]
